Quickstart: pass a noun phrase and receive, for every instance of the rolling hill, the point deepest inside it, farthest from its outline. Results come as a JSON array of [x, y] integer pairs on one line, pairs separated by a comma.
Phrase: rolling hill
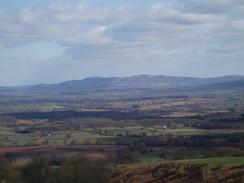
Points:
[[139, 82]]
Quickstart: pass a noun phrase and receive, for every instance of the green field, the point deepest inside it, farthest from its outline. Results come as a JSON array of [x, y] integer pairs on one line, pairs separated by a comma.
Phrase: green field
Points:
[[9, 138], [153, 157], [224, 161], [152, 131], [16, 107], [78, 136]]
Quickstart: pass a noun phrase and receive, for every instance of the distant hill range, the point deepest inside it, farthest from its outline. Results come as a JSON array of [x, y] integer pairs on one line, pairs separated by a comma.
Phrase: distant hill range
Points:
[[138, 82]]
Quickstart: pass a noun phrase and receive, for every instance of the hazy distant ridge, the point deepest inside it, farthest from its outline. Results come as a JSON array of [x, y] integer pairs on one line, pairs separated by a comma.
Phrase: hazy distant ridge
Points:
[[138, 82]]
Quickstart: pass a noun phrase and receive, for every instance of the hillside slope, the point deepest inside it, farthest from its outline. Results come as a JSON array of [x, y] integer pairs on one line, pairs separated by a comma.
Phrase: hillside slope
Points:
[[176, 173]]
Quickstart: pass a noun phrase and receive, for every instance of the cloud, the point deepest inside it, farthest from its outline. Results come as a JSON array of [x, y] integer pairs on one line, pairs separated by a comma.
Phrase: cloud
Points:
[[94, 36], [70, 24], [215, 7], [239, 24], [181, 31]]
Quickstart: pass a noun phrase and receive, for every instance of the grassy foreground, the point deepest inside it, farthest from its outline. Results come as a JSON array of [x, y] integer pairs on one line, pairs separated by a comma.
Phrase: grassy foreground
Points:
[[224, 161], [151, 158]]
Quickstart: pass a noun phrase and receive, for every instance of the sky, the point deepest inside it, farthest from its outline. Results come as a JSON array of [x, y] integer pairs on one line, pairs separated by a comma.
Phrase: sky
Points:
[[50, 41]]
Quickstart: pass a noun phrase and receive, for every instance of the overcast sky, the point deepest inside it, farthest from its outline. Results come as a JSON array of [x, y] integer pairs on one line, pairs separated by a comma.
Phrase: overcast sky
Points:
[[48, 41]]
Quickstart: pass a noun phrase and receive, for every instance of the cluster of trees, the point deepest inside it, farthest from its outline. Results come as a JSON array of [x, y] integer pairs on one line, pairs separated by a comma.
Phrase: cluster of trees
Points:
[[218, 121], [127, 156], [64, 168], [74, 169], [72, 114], [81, 169], [211, 140]]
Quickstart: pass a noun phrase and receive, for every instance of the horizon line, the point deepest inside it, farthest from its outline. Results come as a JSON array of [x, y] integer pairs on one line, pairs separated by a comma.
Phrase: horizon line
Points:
[[121, 77]]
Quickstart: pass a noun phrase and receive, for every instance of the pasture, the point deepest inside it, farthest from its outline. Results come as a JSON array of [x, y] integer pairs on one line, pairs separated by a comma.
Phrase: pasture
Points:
[[153, 157], [216, 161], [8, 138]]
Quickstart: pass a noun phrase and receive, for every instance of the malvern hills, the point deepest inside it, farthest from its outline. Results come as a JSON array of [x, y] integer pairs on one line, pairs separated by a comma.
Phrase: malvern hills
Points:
[[138, 82]]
